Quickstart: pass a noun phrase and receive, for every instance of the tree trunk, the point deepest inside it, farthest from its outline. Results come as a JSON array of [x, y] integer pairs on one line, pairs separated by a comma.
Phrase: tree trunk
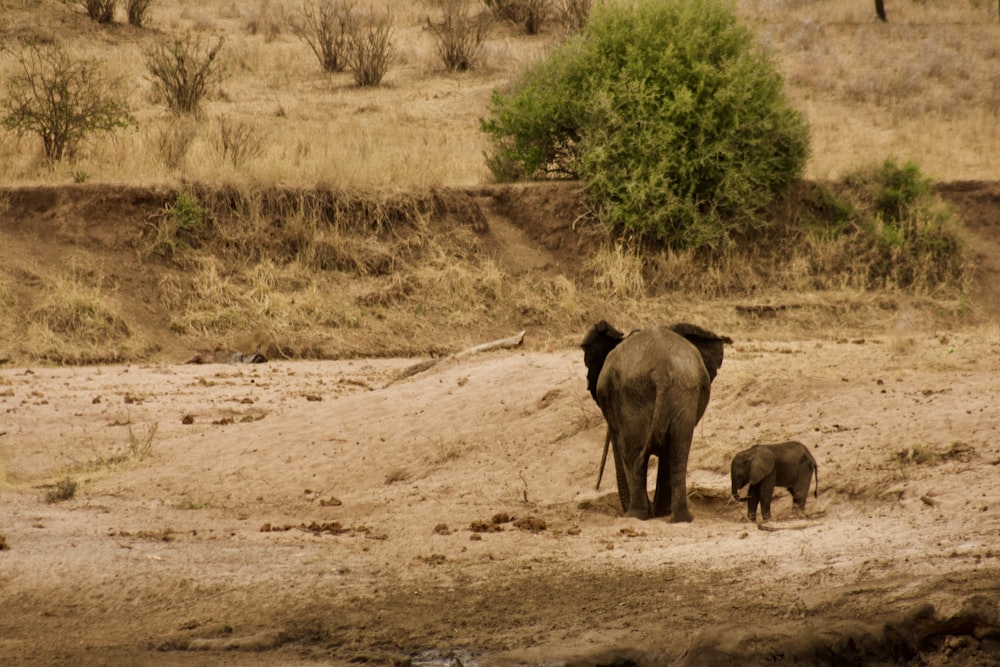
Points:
[[880, 9]]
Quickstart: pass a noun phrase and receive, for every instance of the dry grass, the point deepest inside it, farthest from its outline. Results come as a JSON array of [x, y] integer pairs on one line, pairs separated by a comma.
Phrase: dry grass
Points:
[[618, 271], [921, 87], [79, 320]]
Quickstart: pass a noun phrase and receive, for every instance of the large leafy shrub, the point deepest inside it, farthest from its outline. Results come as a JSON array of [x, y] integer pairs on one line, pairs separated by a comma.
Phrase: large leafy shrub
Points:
[[668, 109]]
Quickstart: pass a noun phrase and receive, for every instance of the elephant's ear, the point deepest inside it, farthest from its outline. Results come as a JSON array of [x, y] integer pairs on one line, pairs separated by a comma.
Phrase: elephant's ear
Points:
[[597, 344], [761, 464], [709, 344]]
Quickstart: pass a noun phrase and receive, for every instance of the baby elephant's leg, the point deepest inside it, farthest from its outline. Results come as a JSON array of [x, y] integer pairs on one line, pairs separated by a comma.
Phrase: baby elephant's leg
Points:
[[753, 497], [766, 491]]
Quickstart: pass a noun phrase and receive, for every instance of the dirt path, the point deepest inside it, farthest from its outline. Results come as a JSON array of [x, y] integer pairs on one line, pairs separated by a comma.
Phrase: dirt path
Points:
[[310, 513]]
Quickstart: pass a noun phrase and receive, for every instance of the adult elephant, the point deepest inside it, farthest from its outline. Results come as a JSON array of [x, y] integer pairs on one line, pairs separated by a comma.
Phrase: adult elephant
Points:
[[652, 387]]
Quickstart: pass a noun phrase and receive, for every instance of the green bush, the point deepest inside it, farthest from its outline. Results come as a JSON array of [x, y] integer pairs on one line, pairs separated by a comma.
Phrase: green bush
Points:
[[667, 108], [181, 226], [909, 237]]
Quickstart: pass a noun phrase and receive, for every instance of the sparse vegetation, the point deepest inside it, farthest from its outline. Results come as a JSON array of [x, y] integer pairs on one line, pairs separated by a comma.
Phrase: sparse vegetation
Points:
[[102, 11], [239, 141], [532, 14], [62, 100], [618, 271], [460, 34], [173, 141], [667, 109], [137, 12], [140, 445], [79, 312], [370, 47], [268, 19], [574, 14], [325, 26], [183, 70], [61, 491], [180, 226], [867, 97]]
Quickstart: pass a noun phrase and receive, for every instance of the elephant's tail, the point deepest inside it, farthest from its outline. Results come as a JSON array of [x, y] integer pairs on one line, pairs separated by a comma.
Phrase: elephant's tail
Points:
[[815, 472], [604, 459]]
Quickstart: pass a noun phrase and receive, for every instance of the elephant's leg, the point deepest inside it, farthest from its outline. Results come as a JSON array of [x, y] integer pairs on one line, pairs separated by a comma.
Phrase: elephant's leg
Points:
[[621, 475], [630, 440], [766, 491], [638, 498], [677, 450], [800, 490], [661, 497], [753, 497]]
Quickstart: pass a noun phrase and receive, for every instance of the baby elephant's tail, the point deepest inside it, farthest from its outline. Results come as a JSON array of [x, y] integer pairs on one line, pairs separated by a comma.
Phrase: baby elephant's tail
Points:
[[816, 488]]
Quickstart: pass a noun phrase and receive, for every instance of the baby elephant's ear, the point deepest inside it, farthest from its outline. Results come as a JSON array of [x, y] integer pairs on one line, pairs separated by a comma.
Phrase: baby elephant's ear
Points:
[[761, 464]]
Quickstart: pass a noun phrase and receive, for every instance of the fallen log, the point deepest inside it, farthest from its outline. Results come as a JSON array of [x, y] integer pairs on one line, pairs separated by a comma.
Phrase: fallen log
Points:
[[499, 344], [798, 526]]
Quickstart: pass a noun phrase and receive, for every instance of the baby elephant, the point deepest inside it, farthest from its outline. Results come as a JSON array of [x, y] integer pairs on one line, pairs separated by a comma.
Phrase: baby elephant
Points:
[[788, 465]]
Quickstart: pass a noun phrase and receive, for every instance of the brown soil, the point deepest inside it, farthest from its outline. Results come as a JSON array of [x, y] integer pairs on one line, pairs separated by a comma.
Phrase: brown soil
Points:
[[333, 512]]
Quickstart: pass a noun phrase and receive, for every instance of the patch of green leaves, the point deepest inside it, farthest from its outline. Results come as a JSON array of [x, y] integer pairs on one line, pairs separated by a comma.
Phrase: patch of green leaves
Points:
[[669, 111], [181, 226]]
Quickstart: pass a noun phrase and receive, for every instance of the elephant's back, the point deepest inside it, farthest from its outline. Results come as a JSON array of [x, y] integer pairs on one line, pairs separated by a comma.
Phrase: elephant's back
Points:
[[655, 350]]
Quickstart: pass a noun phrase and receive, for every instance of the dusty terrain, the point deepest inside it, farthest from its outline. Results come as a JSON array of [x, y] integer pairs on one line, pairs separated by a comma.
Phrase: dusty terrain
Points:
[[337, 512], [332, 512]]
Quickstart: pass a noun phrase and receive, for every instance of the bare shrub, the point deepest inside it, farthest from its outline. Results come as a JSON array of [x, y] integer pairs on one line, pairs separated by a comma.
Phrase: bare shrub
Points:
[[371, 48], [573, 14], [460, 35], [140, 445], [530, 13], [536, 12], [506, 10], [174, 141], [183, 70], [62, 490], [239, 141], [62, 100], [102, 11], [137, 12], [324, 26], [267, 20]]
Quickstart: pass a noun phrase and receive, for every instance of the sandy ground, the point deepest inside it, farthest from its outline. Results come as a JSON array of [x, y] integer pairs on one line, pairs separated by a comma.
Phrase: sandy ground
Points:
[[332, 512]]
